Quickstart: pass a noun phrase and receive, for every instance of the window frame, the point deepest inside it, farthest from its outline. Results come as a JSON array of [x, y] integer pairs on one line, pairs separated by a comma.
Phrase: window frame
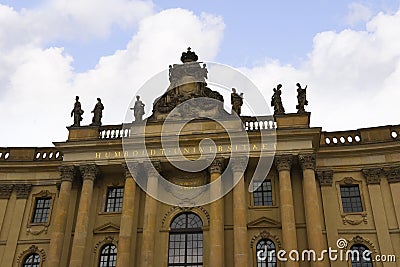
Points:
[[24, 264], [105, 209], [256, 250], [102, 248], [358, 198], [360, 258], [186, 231], [44, 194], [262, 192]]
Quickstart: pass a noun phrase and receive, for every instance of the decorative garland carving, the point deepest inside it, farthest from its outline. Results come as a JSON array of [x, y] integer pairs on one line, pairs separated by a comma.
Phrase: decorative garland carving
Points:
[[176, 210], [349, 219], [393, 174], [362, 241], [307, 161], [266, 235], [372, 175], [325, 177], [6, 190], [283, 162], [106, 240], [89, 171], [30, 250]]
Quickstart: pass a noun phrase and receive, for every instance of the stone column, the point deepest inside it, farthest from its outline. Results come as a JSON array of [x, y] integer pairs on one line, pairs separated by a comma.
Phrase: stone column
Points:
[[150, 215], [373, 176], [289, 236], [5, 194], [89, 173], [59, 220], [311, 205], [127, 216], [393, 178], [240, 238], [22, 193], [216, 216]]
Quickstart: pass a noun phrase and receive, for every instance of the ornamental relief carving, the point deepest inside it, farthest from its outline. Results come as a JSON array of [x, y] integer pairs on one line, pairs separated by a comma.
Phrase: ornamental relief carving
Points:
[[266, 235], [283, 162], [6, 191], [32, 249]]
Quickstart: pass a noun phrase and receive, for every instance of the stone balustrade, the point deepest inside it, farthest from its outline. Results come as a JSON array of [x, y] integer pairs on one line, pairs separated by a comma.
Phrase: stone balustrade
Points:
[[30, 154]]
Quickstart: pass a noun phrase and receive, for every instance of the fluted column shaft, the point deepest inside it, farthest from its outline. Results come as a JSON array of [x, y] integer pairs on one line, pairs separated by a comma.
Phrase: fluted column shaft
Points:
[[311, 204], [289, 236], [217, 216], [89, 173], [127, 216], [59, 220], [240, 246], [150, 216]]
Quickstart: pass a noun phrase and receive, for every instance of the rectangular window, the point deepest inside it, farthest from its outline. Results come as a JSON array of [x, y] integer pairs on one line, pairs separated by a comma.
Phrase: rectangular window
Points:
[[263, 194], [351, 198], [115, 196], [42, 210]]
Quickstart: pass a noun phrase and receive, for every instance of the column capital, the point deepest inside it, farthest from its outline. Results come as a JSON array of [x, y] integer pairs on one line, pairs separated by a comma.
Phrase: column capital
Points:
[[216, 166], [393, 174], [131, 169], [89, 171], [67, 172], [307, 161], [283, 162], [6, 190], [372, 175], [153, 167], [23, 190], [325, 177], [239, 164]]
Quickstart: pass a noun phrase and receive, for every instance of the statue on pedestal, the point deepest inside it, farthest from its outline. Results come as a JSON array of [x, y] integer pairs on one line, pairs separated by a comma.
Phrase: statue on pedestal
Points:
[[237, 102], [301, 98], [276, 101], [77, 113], [97, 113], [138, 109]]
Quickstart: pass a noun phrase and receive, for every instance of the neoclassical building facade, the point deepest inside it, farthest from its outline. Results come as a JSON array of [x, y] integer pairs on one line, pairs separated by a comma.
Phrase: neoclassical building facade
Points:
[[79, 203]]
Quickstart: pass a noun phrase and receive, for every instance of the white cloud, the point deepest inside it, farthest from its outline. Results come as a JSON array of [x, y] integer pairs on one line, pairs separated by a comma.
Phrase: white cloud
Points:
[[358, 13], [352, 76], [41, 85]]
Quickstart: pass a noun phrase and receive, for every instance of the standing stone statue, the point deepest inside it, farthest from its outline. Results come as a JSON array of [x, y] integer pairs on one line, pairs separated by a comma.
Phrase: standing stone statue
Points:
[[77, 113], [97, 113], [237, 102], [276, 101], [301, 98], [138, 109]]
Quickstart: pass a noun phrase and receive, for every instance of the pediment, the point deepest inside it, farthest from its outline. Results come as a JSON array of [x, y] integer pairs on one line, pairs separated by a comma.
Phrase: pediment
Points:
[[107, 228], [263, 222]]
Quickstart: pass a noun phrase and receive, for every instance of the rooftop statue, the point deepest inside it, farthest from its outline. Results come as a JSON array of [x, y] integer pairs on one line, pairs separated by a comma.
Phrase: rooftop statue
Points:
[[97, 113], [276, 101], [77, 113], [301, 98], [138, 109], [237, 102], [188, 82]]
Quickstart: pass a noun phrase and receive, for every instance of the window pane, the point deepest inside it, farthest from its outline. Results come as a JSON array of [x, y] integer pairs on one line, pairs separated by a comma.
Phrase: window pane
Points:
[[357, 259], [115, 197], [32, 260], [351, 198], [42, 210], [263, 194], [108, 256], [186, 241], [268, 256]]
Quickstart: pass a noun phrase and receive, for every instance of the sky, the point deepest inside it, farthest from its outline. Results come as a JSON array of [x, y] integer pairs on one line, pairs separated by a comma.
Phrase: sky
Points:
[[346, 52]]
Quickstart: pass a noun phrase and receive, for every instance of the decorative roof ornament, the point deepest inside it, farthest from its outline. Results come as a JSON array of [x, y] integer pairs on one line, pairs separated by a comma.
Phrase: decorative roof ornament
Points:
[[189, 56]]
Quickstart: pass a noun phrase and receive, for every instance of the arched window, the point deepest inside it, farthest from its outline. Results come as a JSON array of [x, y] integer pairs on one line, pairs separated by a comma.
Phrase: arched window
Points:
[[359, 258], [108, 256], [185, 246], [266, 253], [32, 260]]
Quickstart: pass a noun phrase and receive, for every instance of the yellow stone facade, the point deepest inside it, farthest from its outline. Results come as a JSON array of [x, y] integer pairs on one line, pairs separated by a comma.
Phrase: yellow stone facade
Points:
[[312, 174], [309, 167]]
